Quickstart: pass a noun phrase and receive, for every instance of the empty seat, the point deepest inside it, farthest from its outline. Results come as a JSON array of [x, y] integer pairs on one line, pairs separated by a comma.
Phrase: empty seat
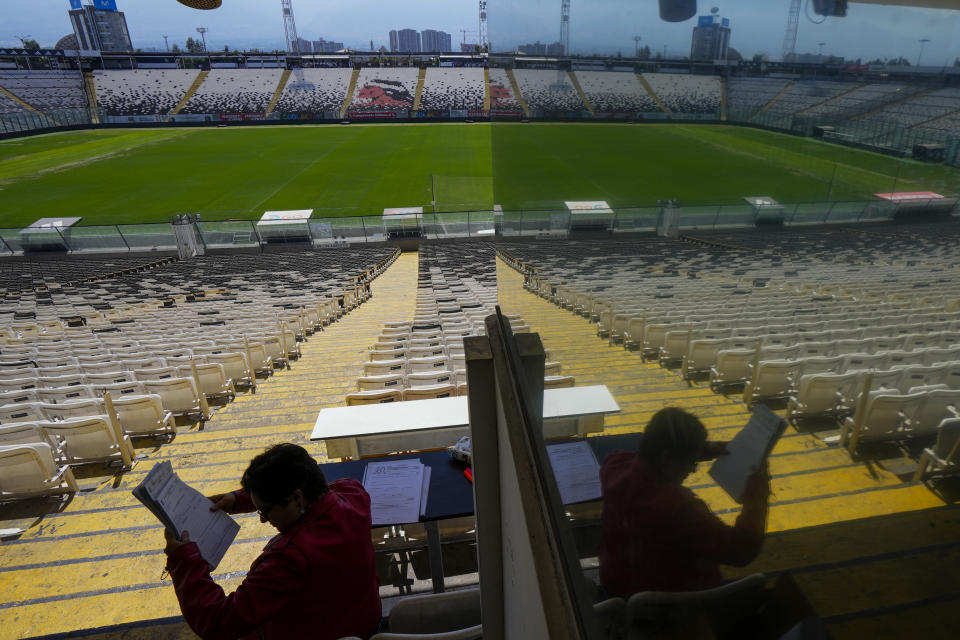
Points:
[[429, 378], [72, 409], [373, 397], [882, 418], [21, 412], [143, 415], [418, 365], [558, 382], [429, 392], [381, 382], [822, 394], [29, 470], [90, 439], [64, 394], [384, 367], [211, 378], [179, 396], [944, 456]]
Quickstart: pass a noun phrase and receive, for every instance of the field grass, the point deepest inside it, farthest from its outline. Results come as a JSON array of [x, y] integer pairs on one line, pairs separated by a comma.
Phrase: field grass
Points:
[[146, 175]]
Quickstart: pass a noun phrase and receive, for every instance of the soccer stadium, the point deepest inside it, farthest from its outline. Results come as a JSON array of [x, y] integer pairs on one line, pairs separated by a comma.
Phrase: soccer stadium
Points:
[[585, 346]]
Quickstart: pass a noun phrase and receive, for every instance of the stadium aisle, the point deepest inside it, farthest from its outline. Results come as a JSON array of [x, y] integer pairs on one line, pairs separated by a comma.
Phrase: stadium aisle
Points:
[[99, 562], [848, 530]]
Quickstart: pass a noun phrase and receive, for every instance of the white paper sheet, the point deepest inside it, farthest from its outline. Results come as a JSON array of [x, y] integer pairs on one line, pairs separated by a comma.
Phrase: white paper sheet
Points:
[[189, 510], [576, 470], [395, 490]]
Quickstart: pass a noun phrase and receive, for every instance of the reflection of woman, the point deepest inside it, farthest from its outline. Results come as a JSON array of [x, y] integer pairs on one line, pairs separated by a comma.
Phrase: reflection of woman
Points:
[[656, 535], [316, 579]]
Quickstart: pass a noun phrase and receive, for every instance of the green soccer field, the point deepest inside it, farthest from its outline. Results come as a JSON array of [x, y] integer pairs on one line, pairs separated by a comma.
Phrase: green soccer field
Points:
[[121, 176]]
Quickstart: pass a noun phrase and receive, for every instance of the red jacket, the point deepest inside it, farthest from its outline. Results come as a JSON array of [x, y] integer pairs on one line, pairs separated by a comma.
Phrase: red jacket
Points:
[[658, 536], [315, 580]]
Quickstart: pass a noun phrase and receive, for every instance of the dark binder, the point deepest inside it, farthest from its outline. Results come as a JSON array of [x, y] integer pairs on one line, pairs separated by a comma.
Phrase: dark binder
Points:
[[747, 451]]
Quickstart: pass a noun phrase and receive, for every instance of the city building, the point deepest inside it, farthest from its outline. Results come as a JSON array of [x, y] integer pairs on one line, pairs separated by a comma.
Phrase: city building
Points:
[[100, 27], [326, 46], [711, 38], [405, 41], [431, 40], [304, 46], [540, 49]]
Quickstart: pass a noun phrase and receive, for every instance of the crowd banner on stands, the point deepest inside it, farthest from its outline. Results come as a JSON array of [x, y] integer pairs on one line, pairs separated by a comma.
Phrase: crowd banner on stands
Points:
[[476, 113], [130, 119], [653, 116], [231, 117], [458, 113], [291, 116], [377, 115], [331, 115], [254, 116], [196, 117], [505, 113]]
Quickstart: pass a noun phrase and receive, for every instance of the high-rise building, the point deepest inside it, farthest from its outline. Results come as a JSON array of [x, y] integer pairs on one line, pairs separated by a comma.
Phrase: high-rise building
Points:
[[326, 46], [711, 38], [409, 40], [540, 49], [100, 29], [305, 46], [394, 40], [431, 40]]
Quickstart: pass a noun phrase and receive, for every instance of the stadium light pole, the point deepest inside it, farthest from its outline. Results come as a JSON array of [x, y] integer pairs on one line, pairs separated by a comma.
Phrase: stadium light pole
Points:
[[922, 41], [166, 42], [820, 50]]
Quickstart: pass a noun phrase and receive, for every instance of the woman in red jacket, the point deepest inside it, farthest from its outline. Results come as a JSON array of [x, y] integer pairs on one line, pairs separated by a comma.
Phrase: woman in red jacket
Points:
[[315, 579], [657, 535]]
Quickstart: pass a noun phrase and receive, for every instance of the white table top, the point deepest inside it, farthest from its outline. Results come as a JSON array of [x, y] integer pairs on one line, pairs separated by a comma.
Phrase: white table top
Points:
[[416, 415]]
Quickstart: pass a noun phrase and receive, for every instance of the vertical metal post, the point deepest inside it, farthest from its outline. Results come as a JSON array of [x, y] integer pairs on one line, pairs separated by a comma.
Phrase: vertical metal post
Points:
[[468, 224], [9, 248], [65, 243], [364, 226], [829, 211], [122, 238]]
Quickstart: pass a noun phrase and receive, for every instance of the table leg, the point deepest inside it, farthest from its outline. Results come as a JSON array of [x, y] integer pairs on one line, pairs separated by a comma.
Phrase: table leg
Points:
[[436, 557]]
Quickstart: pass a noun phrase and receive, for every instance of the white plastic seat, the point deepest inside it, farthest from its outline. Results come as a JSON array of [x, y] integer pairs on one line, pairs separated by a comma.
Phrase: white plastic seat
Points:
[[859, 361], [110, 378], [430, 378], [61, 381], [426, 352], [823, 394], [25, 433], [159, 373], [14, 397], [235, 367], [381, 382], [260, 360], [90, 439], [418, 365], [212, 379], [430, 392], [179, 396], [770, 379], [384, 367], [18, 373], [701, 356], [732, 367], [117, 388], [558, 382], [22, 412], [73, 409], [143, 415], [18, 384], [924, 417], [944, 456], [99, 367], [881, 419], [383, 354], [64, 394], [389, 345], [373, 397], [29, 470]]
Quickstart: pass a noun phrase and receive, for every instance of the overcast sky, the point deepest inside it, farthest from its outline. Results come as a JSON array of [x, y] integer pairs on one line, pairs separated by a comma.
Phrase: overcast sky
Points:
[[597, 26]]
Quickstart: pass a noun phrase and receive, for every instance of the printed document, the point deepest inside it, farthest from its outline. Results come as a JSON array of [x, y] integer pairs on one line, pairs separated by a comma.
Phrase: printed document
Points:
[[396, 491], [181, 507], [576, 470], [747, 451]]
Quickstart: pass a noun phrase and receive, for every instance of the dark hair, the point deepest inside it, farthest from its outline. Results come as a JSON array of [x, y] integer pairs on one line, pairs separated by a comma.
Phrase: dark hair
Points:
[[675, 432], [282, 469]]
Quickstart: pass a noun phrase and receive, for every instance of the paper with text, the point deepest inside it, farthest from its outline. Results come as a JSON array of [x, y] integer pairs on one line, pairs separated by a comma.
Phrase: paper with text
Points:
[[576, 470], [396, 490], [184, 508]]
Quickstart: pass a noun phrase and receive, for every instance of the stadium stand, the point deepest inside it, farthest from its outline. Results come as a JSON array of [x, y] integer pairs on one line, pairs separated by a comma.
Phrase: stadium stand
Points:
[[385, 89], [142, 92], [452, 88], [46, 90], [771, 313], [924, 108], [615, 92], [160, 348], [866, 94], [686, 93], [235, 91], [548, 91], [321, 90], [8, 106], [752, 94], [806, 94], [501, 92]]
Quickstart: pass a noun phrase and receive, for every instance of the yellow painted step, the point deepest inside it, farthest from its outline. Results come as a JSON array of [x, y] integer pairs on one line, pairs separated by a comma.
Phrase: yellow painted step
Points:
[[284, 79], [516, 92], [189, 94], [421, 77], [347, 99]]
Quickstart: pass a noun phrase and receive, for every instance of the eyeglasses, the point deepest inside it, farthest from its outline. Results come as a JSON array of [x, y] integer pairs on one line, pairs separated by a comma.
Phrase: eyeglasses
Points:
[[265, 509]]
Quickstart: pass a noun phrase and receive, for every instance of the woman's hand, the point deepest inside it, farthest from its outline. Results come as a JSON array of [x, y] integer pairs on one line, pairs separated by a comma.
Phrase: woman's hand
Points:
[[223, 502], [713, 449], [172, 543]]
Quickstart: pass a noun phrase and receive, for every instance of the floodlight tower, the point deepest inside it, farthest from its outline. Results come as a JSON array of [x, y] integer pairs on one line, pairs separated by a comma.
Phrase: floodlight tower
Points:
[[793, 25], [484, 41], [290, 27], [565, 26]]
